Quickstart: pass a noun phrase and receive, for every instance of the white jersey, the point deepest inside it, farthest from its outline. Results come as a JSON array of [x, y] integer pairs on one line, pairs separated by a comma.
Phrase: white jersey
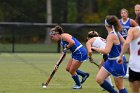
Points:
[[99, 42], [134, 60]]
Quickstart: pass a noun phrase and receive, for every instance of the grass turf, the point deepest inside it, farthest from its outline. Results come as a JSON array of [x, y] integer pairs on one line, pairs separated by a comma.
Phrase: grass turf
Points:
[[25, 72]]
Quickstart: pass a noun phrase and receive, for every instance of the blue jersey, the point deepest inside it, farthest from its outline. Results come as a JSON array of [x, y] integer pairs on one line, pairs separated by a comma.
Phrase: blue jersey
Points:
[[125, 27], [111, 65], [78, 51], [115, 51]]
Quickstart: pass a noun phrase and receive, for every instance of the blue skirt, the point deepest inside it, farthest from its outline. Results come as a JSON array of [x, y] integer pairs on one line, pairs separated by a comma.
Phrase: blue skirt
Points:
[[116, 69], [80, 55]]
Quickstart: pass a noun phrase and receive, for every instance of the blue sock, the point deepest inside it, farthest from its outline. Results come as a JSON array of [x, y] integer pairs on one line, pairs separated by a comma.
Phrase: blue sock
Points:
[[108, 87], [81, 73], [76, 79], [123, 91]]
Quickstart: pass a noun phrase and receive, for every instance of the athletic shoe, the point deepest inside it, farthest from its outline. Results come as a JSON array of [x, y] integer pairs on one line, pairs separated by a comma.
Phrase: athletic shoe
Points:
[[77, 87], [84, 78]]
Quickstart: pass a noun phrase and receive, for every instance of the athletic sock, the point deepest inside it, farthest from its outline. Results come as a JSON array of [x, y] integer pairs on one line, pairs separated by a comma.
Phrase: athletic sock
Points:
[[81, 73], [108, 87], [108, 79], [123, 91], [76, 79]]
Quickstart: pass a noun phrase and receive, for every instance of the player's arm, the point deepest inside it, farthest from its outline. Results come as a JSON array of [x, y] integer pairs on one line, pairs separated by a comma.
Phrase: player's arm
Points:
[[133, 23], [127, 42], [88, 45], [108, 46], [68, 38]]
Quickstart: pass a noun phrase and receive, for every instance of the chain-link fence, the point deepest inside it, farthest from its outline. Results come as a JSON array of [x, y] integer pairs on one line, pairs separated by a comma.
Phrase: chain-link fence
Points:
[[33, 37]]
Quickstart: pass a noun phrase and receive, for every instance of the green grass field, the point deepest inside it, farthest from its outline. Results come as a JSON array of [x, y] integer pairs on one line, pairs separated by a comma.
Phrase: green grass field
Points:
[[25, 72]]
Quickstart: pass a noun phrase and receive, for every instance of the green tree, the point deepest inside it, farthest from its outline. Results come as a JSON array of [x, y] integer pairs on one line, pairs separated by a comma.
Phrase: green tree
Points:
[[60, 8], [67, 11], [23, 10]]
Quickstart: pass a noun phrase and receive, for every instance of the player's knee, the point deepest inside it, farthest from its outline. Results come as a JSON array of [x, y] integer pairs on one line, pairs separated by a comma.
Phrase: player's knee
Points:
[[99, 80], [119, 87], [72, 72]]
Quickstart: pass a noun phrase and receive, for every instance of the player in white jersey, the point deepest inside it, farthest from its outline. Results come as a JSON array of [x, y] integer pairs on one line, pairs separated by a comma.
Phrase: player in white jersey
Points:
[[133, 40], [95, 41]]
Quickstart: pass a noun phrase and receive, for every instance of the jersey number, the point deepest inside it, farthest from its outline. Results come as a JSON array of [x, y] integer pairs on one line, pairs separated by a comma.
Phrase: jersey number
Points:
[[103, 40], [139, 49]]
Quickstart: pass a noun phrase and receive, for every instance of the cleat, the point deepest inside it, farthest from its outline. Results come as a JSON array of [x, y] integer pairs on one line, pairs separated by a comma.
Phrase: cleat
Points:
[[84, 78], [77, 87]]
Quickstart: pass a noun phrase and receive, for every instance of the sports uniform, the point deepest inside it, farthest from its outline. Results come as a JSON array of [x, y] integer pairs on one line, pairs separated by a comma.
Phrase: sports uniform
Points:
[[99, 42], [134, 64], [79, 52], [111, 65], [125, 27]]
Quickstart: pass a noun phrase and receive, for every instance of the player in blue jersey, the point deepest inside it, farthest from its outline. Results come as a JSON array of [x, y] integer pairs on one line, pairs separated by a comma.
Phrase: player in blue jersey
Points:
[[126, 22], [79, 54], [113, 49]]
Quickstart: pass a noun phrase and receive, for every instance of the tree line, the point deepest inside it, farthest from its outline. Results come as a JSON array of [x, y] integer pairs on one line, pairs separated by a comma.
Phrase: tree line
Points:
[[63, 11]]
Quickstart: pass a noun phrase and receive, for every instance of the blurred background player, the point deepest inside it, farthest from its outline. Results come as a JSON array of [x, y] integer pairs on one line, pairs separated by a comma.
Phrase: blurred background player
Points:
[[95, 41], [133, 40], [126, 24], [137, 9], [113, 49], [79, 54]]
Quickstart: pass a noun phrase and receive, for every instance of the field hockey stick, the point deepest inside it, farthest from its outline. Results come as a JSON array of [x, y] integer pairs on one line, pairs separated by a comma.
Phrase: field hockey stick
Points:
[[44, 85], [91, 60], [95, 63]]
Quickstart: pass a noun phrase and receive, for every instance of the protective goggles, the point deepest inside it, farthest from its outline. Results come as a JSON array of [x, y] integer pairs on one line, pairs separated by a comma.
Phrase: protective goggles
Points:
[[53, 33]]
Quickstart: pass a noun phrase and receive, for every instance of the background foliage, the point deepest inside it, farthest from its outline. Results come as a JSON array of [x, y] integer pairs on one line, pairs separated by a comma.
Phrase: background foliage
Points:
[[63, 11]]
